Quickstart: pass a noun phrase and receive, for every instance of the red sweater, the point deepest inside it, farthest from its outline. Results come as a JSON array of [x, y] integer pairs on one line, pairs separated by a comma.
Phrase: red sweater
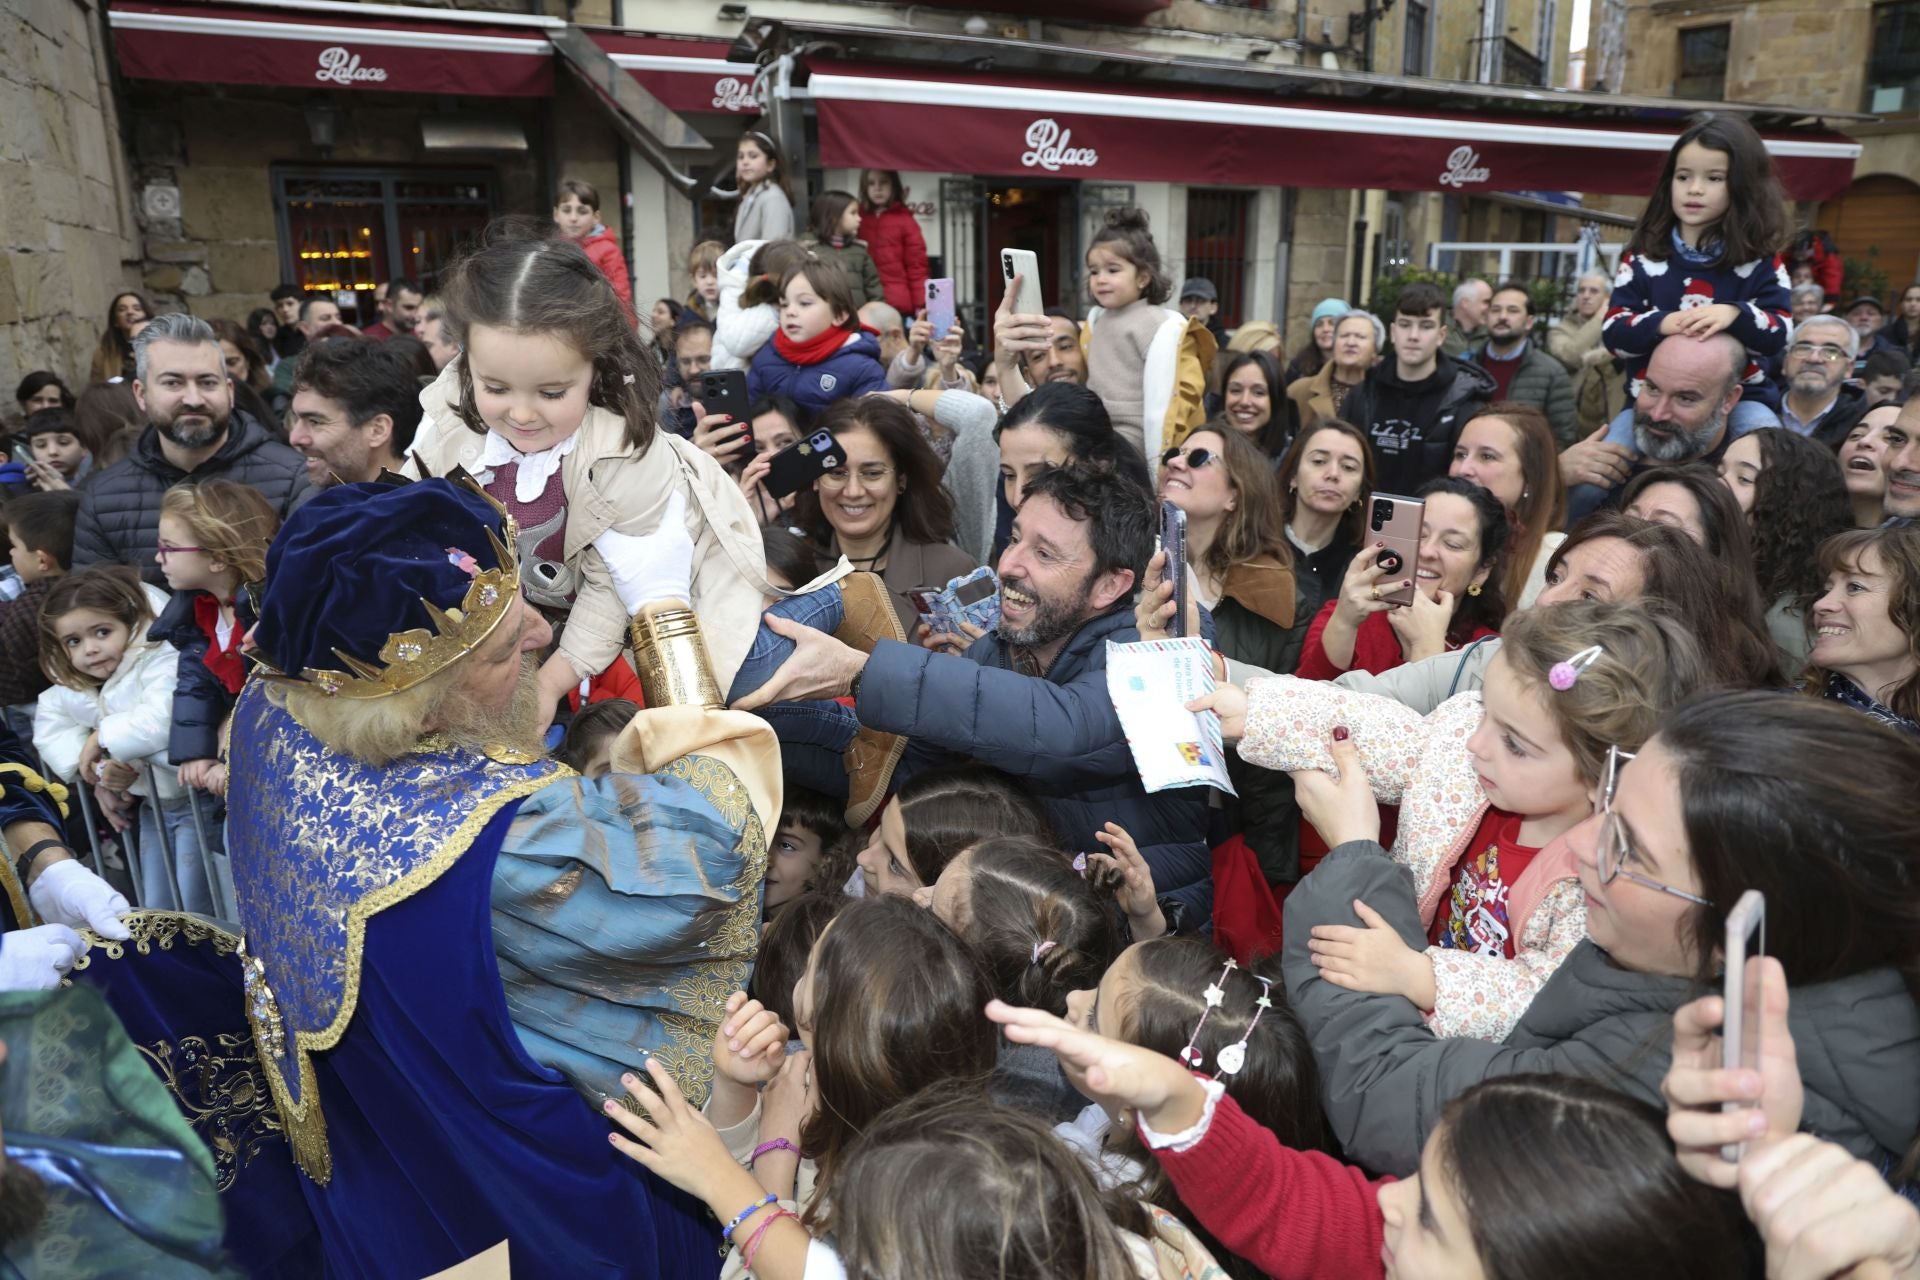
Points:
[[1290, 1213], [1376, 647]]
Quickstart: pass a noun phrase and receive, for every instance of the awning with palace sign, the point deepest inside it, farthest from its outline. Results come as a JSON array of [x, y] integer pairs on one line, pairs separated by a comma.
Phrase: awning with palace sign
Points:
[[945, 119]]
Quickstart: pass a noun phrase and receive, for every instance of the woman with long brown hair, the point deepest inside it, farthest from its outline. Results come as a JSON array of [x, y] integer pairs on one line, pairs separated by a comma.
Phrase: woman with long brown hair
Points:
[[1509, 451], [113, 357], [1866, 622]]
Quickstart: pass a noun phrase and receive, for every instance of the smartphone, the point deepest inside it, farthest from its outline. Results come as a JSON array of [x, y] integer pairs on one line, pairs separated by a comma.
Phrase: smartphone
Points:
[[1396, 521], [1173, 541], [725, 391], [801, 463], [22, 452], [1025, 264], [1740, 995], [939, 308]]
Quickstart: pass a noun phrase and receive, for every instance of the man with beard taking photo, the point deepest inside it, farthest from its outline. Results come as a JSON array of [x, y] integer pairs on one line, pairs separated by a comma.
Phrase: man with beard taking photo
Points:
[[1681, 415], [1030, 697], [193, 432]]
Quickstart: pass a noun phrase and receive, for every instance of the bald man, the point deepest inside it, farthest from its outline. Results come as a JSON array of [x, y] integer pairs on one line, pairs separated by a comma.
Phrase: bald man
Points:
[[1682, 415]]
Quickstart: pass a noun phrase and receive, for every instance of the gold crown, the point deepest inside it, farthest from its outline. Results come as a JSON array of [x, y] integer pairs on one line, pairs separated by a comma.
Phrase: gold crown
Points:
[[409, 657]]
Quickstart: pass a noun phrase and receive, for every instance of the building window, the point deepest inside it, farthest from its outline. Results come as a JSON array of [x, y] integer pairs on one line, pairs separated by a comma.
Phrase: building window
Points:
[[1219, 226], [1415, 63], [1893, 68], [343, 231], [1703, 63], [1518, 65]]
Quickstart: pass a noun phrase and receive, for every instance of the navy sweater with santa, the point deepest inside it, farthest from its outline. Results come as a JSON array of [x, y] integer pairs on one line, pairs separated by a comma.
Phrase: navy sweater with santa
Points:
[[1646, 290]]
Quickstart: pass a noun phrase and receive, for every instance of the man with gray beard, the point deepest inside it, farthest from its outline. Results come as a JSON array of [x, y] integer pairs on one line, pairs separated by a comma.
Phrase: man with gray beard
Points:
[[194, 431], [1681, 415]]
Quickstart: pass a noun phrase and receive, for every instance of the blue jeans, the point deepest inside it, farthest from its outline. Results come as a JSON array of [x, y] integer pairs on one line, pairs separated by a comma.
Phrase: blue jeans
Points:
[[1584, 499], [812, 734], [167, 826]]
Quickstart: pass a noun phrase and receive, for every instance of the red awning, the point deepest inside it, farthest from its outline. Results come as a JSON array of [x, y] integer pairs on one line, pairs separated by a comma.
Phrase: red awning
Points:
[[686, 75], [334, 46], [890, 117]]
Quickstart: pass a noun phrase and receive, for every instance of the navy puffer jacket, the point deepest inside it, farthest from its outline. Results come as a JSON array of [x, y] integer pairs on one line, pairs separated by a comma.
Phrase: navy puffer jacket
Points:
[[200, 702], [119, 519], [1059, 734]]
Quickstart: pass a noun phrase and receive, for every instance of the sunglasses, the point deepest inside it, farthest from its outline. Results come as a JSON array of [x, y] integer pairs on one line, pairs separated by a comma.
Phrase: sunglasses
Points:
[[1196, 458]]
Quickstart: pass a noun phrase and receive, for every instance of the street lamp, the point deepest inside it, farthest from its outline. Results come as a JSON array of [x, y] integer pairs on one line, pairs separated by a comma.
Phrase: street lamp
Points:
[[323, 123]]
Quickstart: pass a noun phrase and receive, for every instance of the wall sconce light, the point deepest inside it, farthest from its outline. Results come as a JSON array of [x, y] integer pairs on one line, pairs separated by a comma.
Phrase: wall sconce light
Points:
[[323, 123]]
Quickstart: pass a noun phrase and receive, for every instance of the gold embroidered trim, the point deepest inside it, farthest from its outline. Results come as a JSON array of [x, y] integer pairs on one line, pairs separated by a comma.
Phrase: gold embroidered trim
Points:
[[217, 1084], [305, 1124], [161, 929]]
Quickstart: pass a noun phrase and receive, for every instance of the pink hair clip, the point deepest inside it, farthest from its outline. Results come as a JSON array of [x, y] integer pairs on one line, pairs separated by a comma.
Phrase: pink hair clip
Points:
[[1080, 864], [626, 379], [1041, 948], [1213, 995], [1563, 675]]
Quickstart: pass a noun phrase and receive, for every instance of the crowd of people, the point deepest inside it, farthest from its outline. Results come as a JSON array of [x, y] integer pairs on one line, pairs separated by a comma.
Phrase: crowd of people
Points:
[[1001, 1009]]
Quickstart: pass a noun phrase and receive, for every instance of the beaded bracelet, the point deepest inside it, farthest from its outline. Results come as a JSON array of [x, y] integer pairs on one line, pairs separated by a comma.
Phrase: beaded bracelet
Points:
[[746, 1213], [753, 1241], [778, 1144]]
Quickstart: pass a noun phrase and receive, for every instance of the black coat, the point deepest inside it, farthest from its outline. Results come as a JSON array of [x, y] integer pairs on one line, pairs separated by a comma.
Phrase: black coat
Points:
[[201, 703], [119, 519]]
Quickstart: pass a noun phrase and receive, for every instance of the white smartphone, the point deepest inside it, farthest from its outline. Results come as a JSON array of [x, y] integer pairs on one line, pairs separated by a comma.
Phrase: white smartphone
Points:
[[1740, 994], [1025, 264]]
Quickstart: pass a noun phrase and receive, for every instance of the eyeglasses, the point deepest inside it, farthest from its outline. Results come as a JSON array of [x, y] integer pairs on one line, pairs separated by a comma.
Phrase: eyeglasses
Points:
[[1196, 458], [1614, 846], [872, 474], [1825, 354], [166, 549]]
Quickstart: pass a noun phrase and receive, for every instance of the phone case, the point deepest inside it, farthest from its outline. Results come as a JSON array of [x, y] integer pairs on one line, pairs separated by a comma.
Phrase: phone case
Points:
[[724, 391], [940, 307], [1173, 540], [801, 463], [944, 612], [1396, 521], [1025, 264]]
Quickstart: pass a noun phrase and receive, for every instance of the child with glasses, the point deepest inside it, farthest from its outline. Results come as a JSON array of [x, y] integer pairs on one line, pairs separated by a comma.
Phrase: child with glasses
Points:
[[1489, 786]]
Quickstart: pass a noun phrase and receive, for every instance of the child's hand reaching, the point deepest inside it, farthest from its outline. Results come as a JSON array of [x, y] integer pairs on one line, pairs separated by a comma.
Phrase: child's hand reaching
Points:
[[1372, 958], [747, 1046], [1132, 879], [1118, 1076]]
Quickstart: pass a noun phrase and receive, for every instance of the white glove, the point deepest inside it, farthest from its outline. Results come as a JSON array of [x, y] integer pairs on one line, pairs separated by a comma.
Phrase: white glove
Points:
[[70, 895], [34, 959], [652, 566]]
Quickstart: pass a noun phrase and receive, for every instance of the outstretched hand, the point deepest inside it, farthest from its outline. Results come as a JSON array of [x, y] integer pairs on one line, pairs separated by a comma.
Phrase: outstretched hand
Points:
[[1341, 809], [1118, 1076], [819, 667]]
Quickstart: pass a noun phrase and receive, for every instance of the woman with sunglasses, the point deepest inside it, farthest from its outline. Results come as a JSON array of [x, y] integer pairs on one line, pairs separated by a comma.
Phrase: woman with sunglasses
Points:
[[1702, 814]]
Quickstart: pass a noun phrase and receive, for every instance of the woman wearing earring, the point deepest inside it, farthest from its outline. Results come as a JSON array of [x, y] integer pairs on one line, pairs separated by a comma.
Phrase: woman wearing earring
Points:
[[1509, 451], [884, 509], [1324, 481]]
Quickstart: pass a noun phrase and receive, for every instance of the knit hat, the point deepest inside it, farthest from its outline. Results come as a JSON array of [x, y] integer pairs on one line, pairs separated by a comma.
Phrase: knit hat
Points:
[[1329, 309]]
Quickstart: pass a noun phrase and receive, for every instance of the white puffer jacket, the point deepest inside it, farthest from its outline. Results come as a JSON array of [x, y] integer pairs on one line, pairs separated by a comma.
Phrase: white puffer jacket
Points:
[[132, 712], [739, 332]]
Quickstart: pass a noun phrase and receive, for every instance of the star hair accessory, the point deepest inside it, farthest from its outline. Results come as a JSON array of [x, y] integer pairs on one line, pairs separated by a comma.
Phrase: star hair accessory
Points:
[[1563, 675], [1214, 994], [1234, 1056]]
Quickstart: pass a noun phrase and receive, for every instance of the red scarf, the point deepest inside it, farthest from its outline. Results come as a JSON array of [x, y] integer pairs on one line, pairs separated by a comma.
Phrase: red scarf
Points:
[[224, 663], [814, 350]]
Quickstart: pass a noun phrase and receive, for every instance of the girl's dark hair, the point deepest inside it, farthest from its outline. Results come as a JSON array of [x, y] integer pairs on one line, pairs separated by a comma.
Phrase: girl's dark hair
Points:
[[1125, 234], [1757, 224], [789, 555], [1543, 495], [521, 278], [823, 220], [593, 725], [767, 271], [1726, 526], [830, 281], [102, 412], [785, 946], [825, 818], [1080, 419], [1561, 1176], [897, 1005], [923, 511], [1256, 526], [112, 589], [227, 331], [949, 809], [892, 176], [1278, 1087], [1829, 840], [39, 380], [1272, 437], [1899, 548], [771, 151], [1022, 893], [1490, 606], [947, 1187], [1719, 606], [1353, 523], [1309, 360], [1799, 501]]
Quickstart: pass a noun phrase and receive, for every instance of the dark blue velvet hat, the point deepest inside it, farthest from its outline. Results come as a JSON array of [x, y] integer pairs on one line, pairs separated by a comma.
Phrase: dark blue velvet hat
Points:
[[372, 588]]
